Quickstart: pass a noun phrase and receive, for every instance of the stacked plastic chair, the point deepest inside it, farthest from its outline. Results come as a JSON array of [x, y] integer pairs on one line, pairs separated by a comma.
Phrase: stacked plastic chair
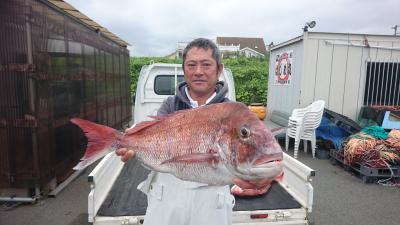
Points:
[[302, 125]]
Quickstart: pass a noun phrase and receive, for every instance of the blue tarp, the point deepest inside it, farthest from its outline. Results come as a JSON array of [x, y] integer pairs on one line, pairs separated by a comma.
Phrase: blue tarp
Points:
[[331, 132]]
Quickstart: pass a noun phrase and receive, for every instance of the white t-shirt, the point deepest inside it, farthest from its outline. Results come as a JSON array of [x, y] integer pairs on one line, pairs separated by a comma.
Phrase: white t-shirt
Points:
[[194, 103]]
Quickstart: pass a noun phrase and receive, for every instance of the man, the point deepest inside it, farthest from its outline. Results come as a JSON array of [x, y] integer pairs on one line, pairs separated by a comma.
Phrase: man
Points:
[[171, 200]]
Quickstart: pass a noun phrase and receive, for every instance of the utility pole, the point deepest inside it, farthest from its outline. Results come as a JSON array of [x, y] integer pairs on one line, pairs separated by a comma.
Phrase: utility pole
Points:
[[395, 29]]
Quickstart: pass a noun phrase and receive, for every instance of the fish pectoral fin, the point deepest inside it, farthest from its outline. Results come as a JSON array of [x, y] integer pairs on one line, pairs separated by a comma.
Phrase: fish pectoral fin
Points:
[[194, 158]]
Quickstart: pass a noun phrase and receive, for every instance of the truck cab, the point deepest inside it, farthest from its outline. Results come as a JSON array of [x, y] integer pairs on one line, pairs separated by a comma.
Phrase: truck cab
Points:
[[158, 81]]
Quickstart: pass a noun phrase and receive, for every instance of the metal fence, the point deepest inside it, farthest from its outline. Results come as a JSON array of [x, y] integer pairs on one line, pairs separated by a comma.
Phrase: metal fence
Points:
[[382, 86], [53, 68]]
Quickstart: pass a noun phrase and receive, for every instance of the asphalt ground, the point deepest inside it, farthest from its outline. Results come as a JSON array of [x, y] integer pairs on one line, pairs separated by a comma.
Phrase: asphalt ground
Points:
[[339, 198]]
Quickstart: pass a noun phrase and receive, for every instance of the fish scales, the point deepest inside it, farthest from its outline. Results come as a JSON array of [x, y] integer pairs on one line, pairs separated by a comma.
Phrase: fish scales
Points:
[[169, 144]]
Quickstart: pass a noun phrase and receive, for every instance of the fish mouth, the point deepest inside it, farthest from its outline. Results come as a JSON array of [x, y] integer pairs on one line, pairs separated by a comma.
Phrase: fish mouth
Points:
[[266, 166], [268, 161]]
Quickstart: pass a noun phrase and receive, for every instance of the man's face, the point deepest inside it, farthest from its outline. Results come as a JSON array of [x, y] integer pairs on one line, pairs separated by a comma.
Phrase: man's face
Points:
[[201, 71]]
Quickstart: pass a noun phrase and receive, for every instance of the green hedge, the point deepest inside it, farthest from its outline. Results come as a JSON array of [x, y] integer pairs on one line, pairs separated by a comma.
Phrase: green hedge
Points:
[[250, 75]]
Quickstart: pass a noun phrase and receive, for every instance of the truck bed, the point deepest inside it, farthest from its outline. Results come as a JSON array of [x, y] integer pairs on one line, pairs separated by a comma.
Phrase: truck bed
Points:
[[125, 200]]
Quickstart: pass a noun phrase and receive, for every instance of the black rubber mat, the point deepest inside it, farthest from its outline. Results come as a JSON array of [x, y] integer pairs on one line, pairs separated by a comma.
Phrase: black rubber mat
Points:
[[275, 198], [125, 200]]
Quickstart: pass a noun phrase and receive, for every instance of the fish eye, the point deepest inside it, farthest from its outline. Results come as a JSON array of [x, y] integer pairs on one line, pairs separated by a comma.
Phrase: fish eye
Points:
[[244, 132]]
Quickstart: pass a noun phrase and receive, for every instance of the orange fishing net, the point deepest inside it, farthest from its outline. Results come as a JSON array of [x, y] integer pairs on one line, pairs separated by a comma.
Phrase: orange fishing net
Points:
[[357, 146], [363, 148], [394, 139]]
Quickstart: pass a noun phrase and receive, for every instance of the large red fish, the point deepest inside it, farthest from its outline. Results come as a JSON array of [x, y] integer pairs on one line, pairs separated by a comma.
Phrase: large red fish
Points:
[[210, 144]]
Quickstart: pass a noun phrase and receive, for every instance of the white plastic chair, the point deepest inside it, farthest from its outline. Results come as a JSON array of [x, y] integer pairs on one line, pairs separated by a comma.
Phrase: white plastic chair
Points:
[[302, 125]]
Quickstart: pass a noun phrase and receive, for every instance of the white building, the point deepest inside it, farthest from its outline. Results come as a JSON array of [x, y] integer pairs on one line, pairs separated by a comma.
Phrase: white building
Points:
[[231, 47], [348, 71], [241, 46]]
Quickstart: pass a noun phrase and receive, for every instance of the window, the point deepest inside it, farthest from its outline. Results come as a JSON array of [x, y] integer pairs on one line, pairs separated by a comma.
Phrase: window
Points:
[[165, 84], [382, 85]]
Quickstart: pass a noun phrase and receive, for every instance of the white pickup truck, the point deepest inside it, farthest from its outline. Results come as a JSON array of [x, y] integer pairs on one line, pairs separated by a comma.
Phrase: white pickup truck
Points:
[[114, 199]]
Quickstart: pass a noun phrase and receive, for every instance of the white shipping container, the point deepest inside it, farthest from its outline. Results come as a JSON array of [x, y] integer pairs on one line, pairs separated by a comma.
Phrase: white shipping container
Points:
[[348, 71]]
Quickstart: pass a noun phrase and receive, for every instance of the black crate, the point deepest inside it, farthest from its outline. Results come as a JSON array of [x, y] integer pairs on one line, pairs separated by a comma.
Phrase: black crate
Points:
[[365, 172]]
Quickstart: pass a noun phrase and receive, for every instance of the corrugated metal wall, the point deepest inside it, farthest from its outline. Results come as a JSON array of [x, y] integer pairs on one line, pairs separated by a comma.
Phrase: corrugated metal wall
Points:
[[285, 97], [335, 68], [52, 69]]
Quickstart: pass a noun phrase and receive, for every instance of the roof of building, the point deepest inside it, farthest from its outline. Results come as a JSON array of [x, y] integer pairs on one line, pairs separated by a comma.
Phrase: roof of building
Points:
[[333, 36], [256, 44], [251, 50], [71, 11]]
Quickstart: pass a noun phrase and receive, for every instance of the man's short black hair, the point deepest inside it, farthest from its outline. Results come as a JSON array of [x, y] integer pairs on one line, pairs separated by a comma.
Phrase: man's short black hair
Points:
[[204, 44]]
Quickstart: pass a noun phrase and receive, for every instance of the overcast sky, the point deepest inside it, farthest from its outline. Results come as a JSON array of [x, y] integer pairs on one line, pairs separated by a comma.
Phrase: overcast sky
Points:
[[153, 27]]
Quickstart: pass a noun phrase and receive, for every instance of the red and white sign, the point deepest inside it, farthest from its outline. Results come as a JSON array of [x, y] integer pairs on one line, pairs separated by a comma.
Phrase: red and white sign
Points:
[[283, 68]]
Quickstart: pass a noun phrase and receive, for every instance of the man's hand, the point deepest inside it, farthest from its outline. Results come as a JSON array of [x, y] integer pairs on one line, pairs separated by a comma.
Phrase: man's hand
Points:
[[125, 154], [250, 188]]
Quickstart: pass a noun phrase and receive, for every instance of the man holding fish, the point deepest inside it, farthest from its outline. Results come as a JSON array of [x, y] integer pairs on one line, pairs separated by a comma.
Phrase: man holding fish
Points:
[[177, 201]]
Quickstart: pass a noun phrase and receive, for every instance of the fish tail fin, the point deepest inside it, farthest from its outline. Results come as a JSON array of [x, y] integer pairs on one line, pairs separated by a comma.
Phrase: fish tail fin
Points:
[[101, 140]]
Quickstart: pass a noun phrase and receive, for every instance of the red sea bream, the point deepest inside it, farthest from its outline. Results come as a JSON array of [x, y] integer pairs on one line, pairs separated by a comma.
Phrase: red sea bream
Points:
[[210, 144]]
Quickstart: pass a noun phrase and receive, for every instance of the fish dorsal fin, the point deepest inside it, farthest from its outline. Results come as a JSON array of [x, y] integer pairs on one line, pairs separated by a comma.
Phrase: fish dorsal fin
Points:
[[162, 117], [145, 124], [141, 126]]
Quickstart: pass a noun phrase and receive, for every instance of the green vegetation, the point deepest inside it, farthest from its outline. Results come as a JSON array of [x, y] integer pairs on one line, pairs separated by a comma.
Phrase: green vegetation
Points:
[[250, 75]]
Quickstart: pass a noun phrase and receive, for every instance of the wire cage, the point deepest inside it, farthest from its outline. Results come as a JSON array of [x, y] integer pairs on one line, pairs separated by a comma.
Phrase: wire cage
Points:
[[53, 68]]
